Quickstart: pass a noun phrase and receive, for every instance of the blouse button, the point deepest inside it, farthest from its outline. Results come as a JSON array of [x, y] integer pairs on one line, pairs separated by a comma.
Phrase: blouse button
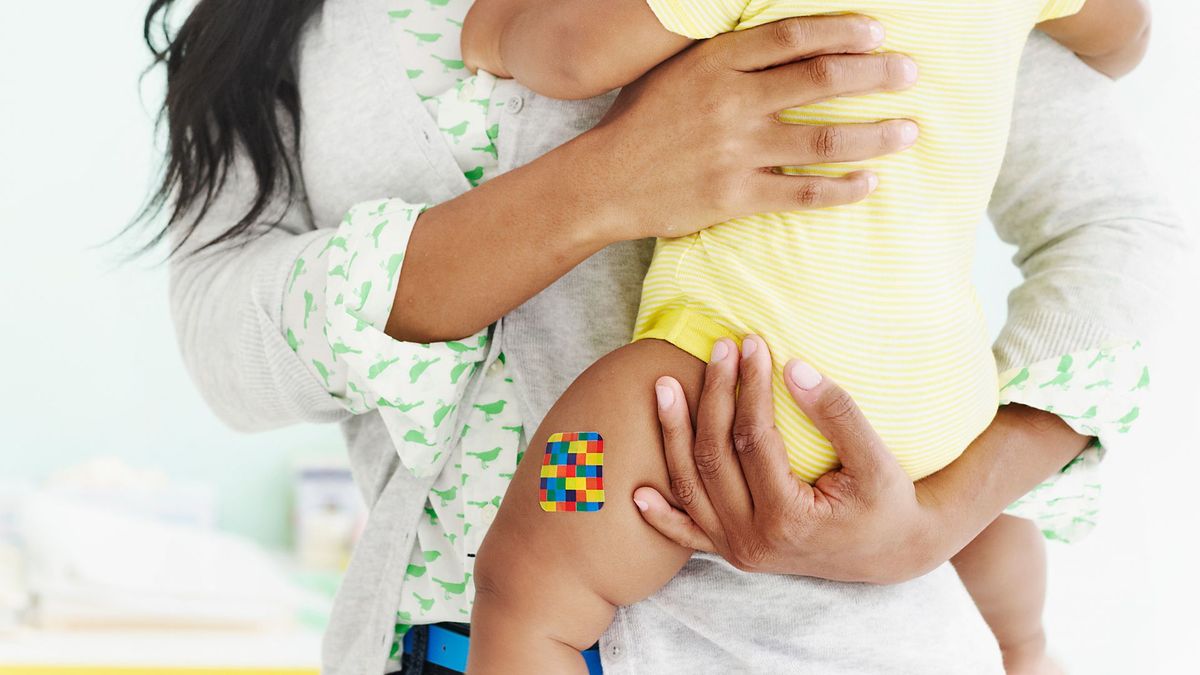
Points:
[[515, 104]]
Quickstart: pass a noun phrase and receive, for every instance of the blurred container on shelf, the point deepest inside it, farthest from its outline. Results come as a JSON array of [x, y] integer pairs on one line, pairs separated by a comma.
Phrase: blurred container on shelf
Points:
[[108, 545], [328, 513]]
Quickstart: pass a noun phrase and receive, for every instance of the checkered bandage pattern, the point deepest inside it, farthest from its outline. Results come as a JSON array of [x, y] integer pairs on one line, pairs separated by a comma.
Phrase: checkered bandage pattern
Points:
[[573, 472]]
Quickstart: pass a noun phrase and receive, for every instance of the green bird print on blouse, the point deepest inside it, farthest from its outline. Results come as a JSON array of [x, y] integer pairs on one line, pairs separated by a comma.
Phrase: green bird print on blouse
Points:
[[297, 270], [486, 456], [1143, 381], [451, 64], [425, 604], [439, 415], [398, 405], [492, 409], [455, 133], [309, 305], [380, 366], [446, 496], [1097, 393], [459, 347], [457, 371], [418, 369], [426, 38], [454, 588], [292, 341], [417, 436], [474, 176]]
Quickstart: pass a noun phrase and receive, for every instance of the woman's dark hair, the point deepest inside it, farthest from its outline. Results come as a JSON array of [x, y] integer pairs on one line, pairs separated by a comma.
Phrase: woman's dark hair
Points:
[[231, 75]]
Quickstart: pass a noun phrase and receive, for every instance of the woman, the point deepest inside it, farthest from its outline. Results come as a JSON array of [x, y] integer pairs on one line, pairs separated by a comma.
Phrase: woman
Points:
[[310, 109]]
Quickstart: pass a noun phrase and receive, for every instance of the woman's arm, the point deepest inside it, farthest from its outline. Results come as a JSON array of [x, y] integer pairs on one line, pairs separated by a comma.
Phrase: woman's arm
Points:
[[1098, 245], [648, 171], [633, 176], [568, 49], [1100, 251], [226, 306], [866, 521]]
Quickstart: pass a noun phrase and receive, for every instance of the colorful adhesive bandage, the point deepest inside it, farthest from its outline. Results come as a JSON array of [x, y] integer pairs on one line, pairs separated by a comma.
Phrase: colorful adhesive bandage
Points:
[[573, 472]]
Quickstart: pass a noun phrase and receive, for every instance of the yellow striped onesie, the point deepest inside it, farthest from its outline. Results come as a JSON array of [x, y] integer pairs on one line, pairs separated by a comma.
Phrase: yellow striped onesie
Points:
[[877, 295]]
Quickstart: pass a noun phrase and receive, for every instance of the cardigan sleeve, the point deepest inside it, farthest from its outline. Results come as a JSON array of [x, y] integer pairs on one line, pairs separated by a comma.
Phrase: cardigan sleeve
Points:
[[1098, 246], [335, 308], [1100, 252], [226, 304]]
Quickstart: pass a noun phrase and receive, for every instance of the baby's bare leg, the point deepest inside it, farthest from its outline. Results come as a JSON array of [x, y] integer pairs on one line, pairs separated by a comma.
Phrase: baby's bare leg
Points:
[[547, 584], [1004, 569]]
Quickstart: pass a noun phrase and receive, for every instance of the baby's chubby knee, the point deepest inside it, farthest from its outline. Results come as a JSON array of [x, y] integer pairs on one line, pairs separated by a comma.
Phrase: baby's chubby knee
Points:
[[606, 550]]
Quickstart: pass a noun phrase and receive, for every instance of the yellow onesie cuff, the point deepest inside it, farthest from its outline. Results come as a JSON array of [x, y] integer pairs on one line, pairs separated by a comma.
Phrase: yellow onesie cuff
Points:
[[687, 329]]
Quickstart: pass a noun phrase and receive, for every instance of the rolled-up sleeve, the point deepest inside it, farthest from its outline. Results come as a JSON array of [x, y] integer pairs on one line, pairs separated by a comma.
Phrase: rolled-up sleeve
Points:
[[1100, 251], [1097, 392], [335, 310]]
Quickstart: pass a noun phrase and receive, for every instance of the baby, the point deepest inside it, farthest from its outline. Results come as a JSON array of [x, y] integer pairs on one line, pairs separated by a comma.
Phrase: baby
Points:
[[876, 295]]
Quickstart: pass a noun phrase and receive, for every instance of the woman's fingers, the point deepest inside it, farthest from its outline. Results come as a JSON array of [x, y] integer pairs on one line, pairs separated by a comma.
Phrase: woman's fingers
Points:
[[793, 39], [759, 446], [826, 77], [861, 451], [686, 486], [671, 522], [713, 452], [800, 144], [768, 190]]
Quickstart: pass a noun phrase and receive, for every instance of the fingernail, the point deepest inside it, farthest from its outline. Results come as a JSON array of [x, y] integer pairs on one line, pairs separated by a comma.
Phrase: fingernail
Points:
[[908, 132], [749, 345], [665, 396], [872, 182], [720, 351], [907, 69], [803, 375], [642, 506], [876, 29]]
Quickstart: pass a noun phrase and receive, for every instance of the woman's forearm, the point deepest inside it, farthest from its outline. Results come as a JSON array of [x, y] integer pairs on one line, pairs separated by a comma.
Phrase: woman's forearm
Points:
[[647, 171], [472, 259], [1013, 455]]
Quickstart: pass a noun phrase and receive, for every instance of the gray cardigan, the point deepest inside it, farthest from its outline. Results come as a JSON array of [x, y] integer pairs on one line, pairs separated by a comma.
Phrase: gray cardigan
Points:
[[1093, 237]]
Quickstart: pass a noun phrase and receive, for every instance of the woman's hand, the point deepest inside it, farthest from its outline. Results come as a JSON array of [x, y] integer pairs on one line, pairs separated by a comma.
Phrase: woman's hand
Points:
[[688, 145], [865, 521], [695, 141]]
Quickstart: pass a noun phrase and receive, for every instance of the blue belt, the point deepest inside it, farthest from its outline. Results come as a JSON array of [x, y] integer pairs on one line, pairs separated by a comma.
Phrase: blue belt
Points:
[[448, 649]]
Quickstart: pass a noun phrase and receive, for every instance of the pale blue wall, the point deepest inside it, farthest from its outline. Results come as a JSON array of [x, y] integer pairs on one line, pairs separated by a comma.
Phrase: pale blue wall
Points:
[[90, 365]]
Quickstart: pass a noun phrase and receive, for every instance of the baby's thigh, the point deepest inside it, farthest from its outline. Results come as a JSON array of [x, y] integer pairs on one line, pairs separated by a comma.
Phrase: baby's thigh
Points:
[[610, 551]]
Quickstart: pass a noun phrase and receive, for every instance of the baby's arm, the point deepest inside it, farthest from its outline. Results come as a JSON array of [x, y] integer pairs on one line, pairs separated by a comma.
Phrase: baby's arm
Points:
[[568, 49], [1109, 35]]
